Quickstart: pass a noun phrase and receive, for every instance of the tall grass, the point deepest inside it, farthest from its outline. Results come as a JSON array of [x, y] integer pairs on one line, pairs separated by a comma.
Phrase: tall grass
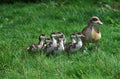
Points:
[[21, 24]]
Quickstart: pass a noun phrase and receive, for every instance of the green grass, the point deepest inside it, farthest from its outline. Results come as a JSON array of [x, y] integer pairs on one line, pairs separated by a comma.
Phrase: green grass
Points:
[[21, 24]]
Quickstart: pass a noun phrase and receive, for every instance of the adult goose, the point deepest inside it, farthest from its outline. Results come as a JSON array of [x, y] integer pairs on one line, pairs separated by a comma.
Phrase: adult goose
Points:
[[91, 33]]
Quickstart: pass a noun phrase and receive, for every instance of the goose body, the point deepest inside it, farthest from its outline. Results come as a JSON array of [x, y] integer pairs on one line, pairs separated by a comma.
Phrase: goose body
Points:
[[76, 46], [59, 34], [72, 37], [51, 45], [91, 33], [60, 46], [46, 43], [32, 48], [95, 35], [37, 47]]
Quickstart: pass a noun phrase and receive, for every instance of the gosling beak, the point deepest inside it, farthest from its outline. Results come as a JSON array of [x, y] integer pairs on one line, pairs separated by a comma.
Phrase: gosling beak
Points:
[[83, 35]]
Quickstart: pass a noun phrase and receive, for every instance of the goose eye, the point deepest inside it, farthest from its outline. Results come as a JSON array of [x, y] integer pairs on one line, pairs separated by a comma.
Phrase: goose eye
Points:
[[94, 19]]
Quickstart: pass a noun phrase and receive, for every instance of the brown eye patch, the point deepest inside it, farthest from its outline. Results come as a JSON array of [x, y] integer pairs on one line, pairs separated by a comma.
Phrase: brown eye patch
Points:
[[47, 38], [94, 19], [72, 34], [59, 32], [53, 33], [78, 33], [42, 35]]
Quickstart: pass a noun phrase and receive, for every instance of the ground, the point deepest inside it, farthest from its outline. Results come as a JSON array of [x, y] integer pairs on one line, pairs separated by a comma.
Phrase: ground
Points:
[[21, 24]]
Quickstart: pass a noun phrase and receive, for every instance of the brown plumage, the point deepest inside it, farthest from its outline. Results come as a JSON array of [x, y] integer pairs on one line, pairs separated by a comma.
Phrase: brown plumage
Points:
[[91, 33]]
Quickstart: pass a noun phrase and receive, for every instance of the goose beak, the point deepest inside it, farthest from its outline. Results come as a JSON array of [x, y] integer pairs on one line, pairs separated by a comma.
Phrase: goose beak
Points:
[[99, 22]]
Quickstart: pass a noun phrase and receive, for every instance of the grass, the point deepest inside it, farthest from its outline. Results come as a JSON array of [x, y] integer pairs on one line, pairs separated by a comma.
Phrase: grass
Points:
[[21, 24]]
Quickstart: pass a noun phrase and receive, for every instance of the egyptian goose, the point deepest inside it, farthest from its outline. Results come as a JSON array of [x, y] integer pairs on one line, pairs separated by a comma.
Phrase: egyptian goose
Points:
[[59, 34], [51, 45], [37, 47], [77, 45], [47, 41], [90, 32], [72, 37], [60, 46]]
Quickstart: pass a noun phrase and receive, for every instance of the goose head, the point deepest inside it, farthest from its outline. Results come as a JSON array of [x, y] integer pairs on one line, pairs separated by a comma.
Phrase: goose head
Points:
[[94, 20]]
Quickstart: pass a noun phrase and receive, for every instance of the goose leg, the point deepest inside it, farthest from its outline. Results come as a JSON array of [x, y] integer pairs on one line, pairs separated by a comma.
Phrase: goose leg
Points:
[[96, 45]]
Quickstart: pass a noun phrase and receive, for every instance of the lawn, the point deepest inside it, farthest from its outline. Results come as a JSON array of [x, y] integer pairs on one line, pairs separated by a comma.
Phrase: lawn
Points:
[[21, 24]]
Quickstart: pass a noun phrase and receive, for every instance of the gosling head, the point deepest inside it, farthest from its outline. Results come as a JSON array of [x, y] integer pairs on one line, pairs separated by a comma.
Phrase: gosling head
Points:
[[79, 35], [42, 36], [72, 36], [53, 34], [59, 34], [61, 37], [47, 40]]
